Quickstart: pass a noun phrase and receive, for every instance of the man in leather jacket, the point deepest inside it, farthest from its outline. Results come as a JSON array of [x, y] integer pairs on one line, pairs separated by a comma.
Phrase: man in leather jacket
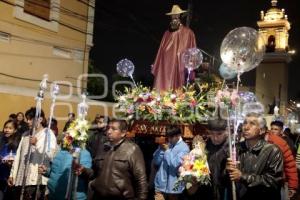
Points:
[[261, 164], [119, 169]]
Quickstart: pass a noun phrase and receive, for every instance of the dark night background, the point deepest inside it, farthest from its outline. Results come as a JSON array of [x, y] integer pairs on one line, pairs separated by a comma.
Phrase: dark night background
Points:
[[133, 29]]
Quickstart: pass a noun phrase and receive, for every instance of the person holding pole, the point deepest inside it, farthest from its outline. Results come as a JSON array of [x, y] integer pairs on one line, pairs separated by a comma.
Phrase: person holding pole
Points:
[[258, 173], [18, 172], [59, 171]]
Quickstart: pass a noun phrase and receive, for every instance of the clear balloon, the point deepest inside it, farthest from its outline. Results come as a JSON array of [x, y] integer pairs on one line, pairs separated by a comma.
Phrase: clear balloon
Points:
[[241, 49], [292, 118], [227, 72], [192, 58], [125, 68], [247, 97], [253, 107]]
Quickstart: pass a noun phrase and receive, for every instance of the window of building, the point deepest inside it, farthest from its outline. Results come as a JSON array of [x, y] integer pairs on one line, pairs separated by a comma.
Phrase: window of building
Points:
[[38, 8], [41, 13], [270, 47]]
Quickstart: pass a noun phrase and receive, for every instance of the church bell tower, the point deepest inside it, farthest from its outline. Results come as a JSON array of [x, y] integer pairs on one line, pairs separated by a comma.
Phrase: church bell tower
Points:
[[272, 74]]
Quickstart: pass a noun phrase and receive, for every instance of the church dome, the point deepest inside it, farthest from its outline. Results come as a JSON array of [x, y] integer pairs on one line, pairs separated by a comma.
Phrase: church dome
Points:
[[274, 14]]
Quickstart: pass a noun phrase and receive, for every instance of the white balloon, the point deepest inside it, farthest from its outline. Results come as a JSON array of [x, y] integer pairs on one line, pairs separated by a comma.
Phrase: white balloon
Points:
[[240, 49], [192, 58], [125, 68]]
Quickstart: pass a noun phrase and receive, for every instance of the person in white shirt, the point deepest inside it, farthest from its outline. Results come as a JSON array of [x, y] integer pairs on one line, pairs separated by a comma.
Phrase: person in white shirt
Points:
[[38, 145]]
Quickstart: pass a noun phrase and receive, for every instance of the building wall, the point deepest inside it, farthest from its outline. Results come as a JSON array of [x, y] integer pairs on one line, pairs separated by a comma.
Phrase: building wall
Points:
[[32, 49], [271, 73]]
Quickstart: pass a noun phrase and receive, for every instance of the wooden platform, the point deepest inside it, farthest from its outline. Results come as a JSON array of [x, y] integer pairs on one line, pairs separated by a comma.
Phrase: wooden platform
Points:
[[158, 129]]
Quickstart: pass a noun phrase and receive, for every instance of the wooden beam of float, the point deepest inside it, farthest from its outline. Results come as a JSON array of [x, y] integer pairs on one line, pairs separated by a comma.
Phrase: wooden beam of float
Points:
[[158, 129]]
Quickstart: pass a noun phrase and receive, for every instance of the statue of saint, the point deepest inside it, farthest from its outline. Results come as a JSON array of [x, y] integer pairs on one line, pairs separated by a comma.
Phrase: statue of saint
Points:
[[168, 69]]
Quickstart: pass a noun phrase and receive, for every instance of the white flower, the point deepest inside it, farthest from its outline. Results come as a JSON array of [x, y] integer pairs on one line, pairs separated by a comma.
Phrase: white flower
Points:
[[173, 96], [82, 123], [81, 138], [73, 133], [152, 103], [122, 98]]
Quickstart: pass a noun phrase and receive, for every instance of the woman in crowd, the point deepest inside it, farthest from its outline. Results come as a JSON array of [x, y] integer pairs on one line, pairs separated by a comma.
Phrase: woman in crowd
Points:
[[22, 125], [9, 141]]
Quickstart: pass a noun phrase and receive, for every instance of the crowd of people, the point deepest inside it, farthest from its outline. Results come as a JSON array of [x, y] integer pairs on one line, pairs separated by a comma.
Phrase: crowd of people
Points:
[[112, 167]]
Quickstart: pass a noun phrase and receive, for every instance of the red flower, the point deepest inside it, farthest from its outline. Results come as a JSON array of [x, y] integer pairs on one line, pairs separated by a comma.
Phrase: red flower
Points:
[[149, 99], [139, 100], [193, 103], [69, 139]]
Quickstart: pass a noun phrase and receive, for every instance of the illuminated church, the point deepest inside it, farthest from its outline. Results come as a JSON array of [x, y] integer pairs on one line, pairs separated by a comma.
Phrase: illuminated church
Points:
[[272, 74]]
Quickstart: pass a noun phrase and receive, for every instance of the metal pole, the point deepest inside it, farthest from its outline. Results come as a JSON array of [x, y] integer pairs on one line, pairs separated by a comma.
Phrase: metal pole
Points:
[[39, 98], [231, 154], [54, 93]]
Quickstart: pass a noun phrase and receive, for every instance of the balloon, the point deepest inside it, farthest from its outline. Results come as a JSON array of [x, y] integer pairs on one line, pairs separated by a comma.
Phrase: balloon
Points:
[[226, 72], [125, 68], [249, 104], [240, 49], [247, 97], [292, 118], [253, 107], [192, 58]]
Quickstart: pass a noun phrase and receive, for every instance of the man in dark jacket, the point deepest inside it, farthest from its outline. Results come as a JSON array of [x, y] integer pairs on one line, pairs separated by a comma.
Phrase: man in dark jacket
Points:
[[97, 136], [217, 154], [119, 169], [260, 173], [71, 118]]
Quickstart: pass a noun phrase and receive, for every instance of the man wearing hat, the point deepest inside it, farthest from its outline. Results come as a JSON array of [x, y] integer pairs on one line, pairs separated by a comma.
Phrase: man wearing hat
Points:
[[168, 69], [217, 153], [168, 158]]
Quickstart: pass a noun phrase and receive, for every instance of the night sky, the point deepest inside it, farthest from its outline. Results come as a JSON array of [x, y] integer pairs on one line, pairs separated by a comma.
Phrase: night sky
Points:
[[133, 29]]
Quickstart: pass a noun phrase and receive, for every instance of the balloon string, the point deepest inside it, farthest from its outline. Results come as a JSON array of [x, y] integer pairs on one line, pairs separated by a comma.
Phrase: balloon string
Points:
[[231, 152], [236, 114], [188, 78], [238, 81], [133, 80]]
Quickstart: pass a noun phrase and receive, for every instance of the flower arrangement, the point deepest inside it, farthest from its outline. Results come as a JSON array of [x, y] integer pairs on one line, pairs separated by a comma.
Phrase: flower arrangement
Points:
[[77, 134], [184, 105], [225, 97], [194, 168]]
